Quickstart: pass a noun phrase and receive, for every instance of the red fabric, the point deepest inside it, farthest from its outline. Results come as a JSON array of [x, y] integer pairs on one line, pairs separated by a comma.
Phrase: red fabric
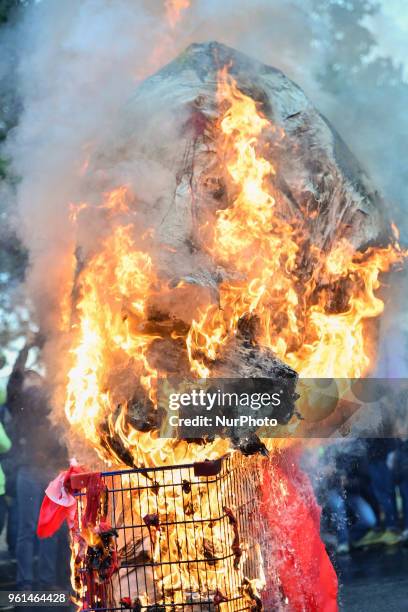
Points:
[[94, 491], [306, 575], [51, 518], [58, 505]]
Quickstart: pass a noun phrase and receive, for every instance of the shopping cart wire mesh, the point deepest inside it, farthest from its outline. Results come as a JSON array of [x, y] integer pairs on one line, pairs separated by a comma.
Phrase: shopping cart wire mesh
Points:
[[175, 538]]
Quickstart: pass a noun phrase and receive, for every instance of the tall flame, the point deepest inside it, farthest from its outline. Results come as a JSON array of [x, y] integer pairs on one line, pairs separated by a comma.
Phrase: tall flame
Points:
[[296, 318], [107, 335], [298, 310]]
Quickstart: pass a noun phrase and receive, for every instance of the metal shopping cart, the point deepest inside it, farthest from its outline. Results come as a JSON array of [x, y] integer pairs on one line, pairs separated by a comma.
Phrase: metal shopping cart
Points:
[[173, 538]]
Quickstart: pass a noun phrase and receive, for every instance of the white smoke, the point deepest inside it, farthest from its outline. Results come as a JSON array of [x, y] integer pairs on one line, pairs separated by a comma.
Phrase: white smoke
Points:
[[390, 29], [78, 63]]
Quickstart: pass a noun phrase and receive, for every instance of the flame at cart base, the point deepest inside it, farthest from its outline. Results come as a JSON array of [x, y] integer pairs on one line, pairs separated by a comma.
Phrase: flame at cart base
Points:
[[195, 547]]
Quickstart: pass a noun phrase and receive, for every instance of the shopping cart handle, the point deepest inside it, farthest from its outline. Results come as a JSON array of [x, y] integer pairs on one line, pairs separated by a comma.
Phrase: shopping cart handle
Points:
[[80, 481], [207, 468]]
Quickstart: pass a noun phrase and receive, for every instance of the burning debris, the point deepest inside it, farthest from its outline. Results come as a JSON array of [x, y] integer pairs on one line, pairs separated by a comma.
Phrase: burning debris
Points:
[[194, 553], [260, 258], [264, 255]]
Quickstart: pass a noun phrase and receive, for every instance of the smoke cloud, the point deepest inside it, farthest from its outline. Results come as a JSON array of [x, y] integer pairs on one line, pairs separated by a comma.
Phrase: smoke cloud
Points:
[[77, 65]]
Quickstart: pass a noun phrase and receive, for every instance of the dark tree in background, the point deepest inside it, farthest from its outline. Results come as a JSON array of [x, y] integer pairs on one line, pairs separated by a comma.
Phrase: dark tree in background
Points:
[[370, 98], [14, 316]]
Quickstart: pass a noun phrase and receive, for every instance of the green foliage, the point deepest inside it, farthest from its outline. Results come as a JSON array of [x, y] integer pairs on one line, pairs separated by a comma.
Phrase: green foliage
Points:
[[14, 314]]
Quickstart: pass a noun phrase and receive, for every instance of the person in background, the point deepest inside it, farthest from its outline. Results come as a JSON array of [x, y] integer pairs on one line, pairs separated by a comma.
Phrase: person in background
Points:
[[387, 455], [8, 463], [40, 457], [361, 502], [343, 495], [5, 445], [383, 486], [401, 477]]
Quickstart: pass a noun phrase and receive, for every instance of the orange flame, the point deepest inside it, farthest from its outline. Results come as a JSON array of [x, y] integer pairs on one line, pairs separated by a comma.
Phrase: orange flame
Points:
[[174, 10], [296, 319], [107, 338], [299, 314]]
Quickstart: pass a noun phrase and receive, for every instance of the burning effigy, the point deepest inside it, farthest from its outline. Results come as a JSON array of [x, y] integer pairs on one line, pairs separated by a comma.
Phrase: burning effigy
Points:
[[259, 256]]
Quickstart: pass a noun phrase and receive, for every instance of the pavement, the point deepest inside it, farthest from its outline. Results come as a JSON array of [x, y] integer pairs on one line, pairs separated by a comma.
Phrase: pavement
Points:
[[374, 580], [8, 576]]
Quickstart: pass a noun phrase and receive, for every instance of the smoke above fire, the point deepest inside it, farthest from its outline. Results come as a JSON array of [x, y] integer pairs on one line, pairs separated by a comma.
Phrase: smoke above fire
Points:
[[78, 64]]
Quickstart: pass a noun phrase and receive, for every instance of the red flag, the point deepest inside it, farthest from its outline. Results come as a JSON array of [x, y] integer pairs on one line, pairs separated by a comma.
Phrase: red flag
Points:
[[58, 505]]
